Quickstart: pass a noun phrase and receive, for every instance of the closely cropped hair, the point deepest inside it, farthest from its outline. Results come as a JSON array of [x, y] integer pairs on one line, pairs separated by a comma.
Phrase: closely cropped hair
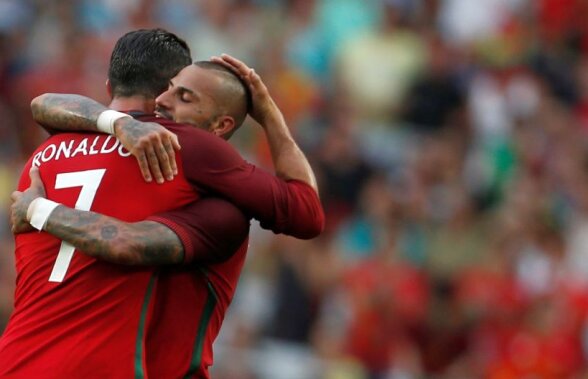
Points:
[[143, 62], [235, 89]]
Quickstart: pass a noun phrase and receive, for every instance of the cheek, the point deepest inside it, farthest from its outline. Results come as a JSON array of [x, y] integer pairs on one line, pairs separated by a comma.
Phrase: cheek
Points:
[[187, 114]]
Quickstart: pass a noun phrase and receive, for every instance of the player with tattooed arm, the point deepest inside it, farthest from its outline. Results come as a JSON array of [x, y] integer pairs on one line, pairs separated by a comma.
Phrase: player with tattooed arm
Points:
[[79, 317]]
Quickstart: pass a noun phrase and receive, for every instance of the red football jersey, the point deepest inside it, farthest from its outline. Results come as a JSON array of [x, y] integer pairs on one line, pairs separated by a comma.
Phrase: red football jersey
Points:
[[191, 302], [99, 332], [74, 316], [214, 166]]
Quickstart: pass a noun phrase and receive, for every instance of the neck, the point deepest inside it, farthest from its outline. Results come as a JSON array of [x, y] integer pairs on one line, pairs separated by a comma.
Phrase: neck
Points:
[[133, 103]]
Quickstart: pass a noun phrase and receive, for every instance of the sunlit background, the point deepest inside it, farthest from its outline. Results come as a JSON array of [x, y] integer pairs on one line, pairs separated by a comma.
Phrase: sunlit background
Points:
[[450, 141]]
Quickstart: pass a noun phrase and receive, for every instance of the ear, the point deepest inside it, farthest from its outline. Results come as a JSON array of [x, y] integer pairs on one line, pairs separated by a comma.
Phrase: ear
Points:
[[108, 88], [224, 127]]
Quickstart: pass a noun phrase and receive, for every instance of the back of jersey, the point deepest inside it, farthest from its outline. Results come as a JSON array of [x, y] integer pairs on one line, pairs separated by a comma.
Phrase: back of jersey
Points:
[[74, 316]]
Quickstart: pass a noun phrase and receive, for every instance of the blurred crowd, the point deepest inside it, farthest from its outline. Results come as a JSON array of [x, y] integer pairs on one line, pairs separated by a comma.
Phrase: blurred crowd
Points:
[[449, 138]]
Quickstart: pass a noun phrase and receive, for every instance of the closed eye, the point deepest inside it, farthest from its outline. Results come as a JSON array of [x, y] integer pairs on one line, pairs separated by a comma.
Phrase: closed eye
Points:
[[185, 95]]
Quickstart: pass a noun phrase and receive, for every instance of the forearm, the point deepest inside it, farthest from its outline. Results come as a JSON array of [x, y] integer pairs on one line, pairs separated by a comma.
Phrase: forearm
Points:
[[109, 239], [289, 161], [66, 112]]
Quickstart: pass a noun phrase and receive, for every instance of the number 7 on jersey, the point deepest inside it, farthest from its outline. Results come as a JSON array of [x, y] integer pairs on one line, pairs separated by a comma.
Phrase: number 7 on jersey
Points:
[[89, 181]]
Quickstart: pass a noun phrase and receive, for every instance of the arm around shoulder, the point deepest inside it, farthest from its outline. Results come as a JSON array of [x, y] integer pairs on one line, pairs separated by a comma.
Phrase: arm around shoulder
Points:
[[142, 243], [211, 229], [306, 218], [66, 112]]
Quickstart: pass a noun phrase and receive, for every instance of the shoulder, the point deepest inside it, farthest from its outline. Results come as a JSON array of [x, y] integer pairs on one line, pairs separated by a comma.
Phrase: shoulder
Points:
[[215, 210], [191, 136], [218, 219], [211, 229]]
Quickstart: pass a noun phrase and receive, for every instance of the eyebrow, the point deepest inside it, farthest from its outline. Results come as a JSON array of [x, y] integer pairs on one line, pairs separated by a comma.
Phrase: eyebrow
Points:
[[187, 90], [184, 90]]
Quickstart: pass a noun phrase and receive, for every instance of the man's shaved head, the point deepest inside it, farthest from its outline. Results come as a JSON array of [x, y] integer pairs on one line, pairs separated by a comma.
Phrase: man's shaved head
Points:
[[207, 95], [232, 95]]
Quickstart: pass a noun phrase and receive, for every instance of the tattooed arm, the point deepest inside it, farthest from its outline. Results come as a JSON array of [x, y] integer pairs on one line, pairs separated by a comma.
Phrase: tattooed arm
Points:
[[152, 144], [99, 236], [208, 230], [109, 239], [64, 112]]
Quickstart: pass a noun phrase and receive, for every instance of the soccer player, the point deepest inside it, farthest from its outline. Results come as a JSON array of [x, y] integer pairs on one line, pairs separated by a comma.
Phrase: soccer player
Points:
[[65, 316]]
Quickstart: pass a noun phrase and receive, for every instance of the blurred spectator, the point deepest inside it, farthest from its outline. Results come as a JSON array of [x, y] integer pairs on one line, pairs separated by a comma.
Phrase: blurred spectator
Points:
[[376, 68], [436, 100], [449, 139]]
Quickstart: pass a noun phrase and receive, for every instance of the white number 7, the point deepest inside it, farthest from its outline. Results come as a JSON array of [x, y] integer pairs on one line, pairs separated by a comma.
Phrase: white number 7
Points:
[[89, 181]]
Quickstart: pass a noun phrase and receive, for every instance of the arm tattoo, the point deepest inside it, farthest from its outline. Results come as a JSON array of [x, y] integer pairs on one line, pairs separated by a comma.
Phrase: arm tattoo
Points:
[[109, 232], [112, 240], [66, 112]]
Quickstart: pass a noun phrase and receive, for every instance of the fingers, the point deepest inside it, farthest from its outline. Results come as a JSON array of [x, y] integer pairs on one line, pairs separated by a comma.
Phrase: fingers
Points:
[[166, 156], [175, 142], [246, 73], [152, 159], [263, 105], [234, 64], [16, 224], [176, 146], [35, 177], [36, 181], [256, 82], [163, 161], [219, 60], [238, 65], [171, 154], [144, 166], [15, 195], [156, 155], [153, 146]]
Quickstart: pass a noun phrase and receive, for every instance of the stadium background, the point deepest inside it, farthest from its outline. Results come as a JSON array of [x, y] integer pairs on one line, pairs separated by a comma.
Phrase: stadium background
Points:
[[449, 139]]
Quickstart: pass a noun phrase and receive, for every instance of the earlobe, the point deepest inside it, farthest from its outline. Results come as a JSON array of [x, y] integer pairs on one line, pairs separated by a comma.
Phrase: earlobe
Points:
[[225, 127]]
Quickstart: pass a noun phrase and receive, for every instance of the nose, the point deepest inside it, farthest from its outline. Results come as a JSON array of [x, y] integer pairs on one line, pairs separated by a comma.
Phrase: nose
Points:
[[163, 100]]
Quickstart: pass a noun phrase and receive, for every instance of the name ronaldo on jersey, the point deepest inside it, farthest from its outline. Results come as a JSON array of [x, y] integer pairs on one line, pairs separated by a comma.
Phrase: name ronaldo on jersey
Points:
[[102, 144]]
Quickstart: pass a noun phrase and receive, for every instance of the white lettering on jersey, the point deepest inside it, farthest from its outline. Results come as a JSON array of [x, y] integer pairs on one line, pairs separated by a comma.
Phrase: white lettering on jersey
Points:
[[93, 145], [123, 152], [37, 159], [48, 153], [82, 148], [101, 144], [65, 149], [105, 149]]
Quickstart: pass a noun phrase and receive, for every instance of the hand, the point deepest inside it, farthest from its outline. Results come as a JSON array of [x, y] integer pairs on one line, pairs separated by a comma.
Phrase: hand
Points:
[[22, 200], [153, 145], [264, 109]]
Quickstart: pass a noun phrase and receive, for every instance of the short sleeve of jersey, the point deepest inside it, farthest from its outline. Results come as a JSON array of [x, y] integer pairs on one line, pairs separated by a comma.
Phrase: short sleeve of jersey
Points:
[[211, 229]]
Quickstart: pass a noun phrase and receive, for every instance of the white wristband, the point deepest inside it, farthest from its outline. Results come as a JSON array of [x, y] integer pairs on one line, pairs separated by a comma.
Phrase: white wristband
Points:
[[39, 211], [106, 120]]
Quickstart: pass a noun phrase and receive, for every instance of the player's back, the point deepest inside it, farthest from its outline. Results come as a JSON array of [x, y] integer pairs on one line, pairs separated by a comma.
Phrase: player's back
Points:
[[84, 318]]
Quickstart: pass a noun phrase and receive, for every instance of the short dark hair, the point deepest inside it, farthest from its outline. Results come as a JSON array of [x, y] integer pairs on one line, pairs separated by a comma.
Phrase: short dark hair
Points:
[[143, 62], [237, 95]]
